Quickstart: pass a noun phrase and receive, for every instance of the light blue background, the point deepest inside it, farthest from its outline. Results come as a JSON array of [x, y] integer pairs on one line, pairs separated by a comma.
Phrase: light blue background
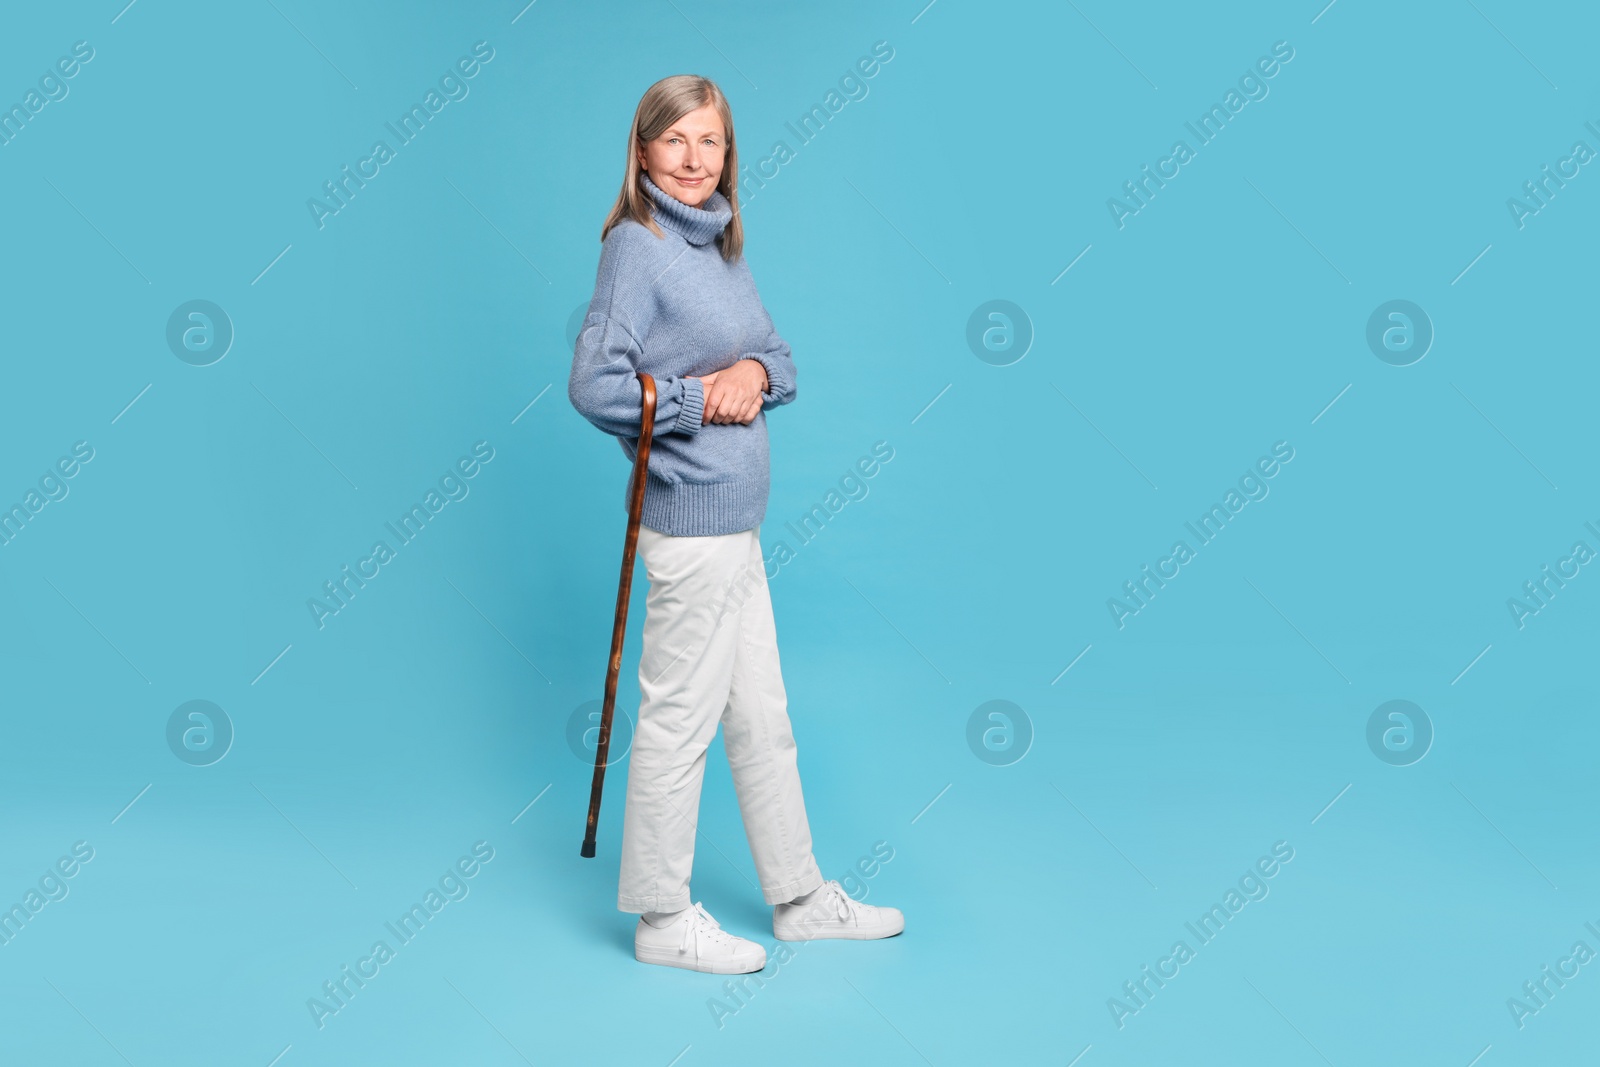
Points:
[[427, 315]]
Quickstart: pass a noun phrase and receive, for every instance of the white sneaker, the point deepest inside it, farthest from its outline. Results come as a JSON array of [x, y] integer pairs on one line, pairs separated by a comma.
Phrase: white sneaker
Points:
[[834, 913], [695, 941]]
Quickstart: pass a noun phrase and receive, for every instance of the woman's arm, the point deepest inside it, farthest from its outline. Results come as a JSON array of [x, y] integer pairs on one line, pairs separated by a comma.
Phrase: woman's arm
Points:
[[774, 356], [778, 364], [604, 384]]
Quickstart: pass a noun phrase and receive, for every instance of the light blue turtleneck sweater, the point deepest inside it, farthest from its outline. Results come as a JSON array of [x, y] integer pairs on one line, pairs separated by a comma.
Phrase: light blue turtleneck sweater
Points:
[[672, 307]]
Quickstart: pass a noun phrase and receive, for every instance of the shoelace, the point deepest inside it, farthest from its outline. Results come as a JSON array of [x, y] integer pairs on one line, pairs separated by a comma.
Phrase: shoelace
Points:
[[845, 907], [700, 924]]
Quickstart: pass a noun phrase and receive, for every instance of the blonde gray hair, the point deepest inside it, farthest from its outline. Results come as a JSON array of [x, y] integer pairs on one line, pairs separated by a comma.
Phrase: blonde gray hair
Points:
[[664, 103]]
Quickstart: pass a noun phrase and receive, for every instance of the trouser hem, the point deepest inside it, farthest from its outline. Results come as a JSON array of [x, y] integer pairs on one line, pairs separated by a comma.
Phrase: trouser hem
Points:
[[782, 894], [640, 905]]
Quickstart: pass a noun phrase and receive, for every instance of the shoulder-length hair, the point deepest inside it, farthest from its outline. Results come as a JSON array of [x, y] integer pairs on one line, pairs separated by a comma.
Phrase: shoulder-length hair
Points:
[[664, 103]]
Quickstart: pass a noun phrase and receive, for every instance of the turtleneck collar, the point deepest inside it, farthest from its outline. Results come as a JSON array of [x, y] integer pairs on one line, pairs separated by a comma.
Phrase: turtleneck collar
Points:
[[697, 225]]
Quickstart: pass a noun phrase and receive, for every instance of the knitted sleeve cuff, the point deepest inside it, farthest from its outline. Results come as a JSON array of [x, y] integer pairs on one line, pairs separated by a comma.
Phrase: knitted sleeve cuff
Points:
[[694, 406], [778, 384]]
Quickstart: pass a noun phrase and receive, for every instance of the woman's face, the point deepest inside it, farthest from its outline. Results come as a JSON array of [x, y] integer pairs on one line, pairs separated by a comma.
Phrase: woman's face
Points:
[[685, 162]]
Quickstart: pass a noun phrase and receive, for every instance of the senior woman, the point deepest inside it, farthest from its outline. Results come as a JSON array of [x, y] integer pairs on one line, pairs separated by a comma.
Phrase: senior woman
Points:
[[674, 298]]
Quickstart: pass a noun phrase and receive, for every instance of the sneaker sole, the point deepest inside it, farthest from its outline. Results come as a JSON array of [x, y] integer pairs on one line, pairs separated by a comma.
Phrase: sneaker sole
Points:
[[800, 932], [672, 958]]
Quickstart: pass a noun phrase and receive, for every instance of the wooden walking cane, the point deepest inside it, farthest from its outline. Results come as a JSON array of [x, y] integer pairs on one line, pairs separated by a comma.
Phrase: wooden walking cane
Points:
[[641, 459]]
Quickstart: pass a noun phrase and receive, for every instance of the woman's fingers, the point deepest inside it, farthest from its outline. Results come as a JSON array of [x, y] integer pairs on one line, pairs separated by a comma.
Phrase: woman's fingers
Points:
[[717, 404], [709, 392], [714, 400], [736, 400]]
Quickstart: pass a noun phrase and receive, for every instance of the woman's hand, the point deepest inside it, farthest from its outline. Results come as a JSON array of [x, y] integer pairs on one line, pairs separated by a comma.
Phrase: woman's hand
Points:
[[733, 395]]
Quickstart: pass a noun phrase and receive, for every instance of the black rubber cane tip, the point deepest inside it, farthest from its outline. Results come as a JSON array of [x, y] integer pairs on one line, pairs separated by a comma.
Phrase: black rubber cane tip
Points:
[[587, 852]]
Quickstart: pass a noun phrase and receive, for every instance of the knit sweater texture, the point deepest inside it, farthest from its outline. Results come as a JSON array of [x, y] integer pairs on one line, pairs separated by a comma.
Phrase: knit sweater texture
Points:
[[673, 308]]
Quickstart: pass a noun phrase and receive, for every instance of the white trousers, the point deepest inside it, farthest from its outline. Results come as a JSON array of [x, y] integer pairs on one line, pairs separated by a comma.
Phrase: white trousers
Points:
[[710, 655]]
